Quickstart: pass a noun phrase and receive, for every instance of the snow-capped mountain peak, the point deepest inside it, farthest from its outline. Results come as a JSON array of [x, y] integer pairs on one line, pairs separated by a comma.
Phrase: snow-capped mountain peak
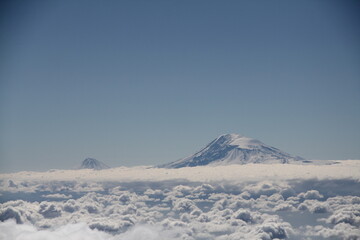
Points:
[[234, 149], [92, 163], [239, 141]]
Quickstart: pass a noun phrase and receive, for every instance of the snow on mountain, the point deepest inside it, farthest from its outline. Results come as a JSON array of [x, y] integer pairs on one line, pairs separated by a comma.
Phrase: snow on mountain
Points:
[[234, 149], [92, 163]]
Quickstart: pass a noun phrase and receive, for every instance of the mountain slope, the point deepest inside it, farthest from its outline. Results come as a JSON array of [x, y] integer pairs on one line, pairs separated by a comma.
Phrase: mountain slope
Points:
[[92, 163], [234, 149]]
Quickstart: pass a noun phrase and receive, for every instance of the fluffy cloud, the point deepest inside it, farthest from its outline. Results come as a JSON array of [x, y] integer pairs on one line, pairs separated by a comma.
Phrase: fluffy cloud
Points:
[[311, 194], [178, 209], [79, 231], [339, 231], [57, 196], [349, 214]]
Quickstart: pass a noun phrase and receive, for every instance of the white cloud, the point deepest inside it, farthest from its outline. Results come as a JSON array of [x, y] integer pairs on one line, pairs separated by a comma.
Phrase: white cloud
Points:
[[57, 196], [80, 231], [311, 194], [339, 231], [213, 209]]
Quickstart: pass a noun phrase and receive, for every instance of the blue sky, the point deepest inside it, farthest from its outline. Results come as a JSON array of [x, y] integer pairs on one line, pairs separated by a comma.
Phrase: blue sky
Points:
[[148, 82]]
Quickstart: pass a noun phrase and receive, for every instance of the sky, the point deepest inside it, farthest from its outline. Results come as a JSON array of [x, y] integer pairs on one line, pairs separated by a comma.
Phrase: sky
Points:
[[149, 82]]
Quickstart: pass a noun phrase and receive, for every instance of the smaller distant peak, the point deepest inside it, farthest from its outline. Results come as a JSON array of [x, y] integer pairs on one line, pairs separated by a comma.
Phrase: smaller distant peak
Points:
[[92, 163], [89, 160]]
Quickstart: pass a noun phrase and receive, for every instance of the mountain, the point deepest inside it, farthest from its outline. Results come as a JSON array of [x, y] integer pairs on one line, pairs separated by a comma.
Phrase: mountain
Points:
[[234, 149], [92, 163]]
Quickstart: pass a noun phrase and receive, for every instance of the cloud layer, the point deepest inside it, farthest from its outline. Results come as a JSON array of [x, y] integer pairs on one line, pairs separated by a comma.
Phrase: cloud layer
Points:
[[180, 209]]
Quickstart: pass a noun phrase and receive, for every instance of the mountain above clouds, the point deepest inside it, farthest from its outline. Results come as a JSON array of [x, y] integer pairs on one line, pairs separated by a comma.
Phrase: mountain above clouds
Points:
[[234, 149], [92, 163]]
